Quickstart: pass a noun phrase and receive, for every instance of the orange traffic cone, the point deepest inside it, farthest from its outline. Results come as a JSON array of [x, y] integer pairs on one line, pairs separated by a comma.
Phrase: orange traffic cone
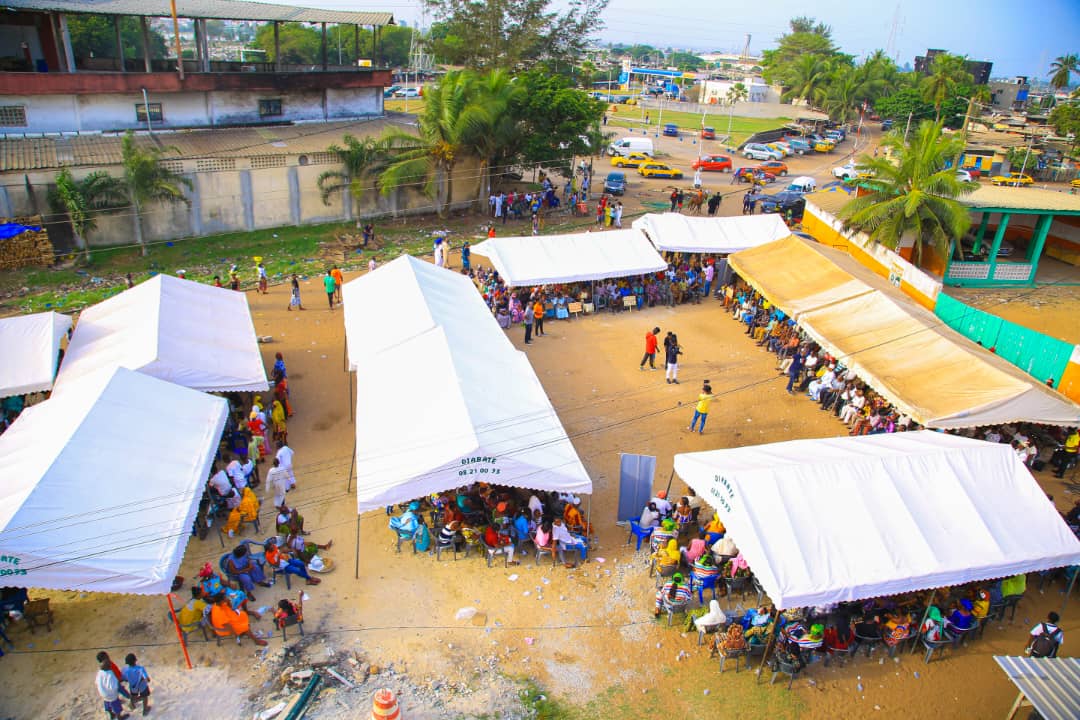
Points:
[[384, 705]]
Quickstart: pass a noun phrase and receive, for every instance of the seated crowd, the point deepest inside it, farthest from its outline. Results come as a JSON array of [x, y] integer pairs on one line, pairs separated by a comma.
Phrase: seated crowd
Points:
[[497, 520]]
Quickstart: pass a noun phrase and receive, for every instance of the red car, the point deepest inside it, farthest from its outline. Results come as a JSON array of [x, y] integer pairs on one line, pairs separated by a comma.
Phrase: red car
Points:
[[774, 167], [716, 163], [754, 175]]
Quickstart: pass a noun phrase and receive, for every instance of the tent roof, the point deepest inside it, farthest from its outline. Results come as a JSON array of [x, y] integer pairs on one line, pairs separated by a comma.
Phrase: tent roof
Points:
[[31, 344], [221, 9], [443, 399], [1052, 685], [182, 331], [849, 518], [77, 511], [547, 259], [928, 370], [678, 233]]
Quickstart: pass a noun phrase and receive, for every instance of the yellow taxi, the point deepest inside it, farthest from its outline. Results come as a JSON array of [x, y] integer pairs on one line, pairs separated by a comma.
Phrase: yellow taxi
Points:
[[655, 169], [1012, 179], [824, 146], [633, 160], [1075, 183]]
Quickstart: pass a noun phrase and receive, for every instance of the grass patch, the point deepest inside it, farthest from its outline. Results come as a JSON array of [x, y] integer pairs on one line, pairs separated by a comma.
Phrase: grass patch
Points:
[[415, 106], [690, 123]]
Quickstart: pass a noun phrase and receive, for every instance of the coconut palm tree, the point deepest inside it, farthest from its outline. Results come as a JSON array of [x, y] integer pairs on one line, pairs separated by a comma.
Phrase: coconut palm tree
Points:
[[736, 93], [1062, 70], [805, 77], [146, 181], [359, 158], [489, 126], [912, 193], [947, 72], [78, 199], [448, 132]]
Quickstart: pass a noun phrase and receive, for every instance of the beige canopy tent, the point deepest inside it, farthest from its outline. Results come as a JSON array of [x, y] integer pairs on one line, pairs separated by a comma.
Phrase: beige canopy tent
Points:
[[926, 369]]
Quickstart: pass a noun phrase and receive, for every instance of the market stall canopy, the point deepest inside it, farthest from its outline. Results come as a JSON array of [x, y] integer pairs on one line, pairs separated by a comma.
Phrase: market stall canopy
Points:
[[676, 232], [925, 368], [185, 332], [850, 518], [1050, 685], [549, 259], [443, 399], [102, 483], [31, 346]]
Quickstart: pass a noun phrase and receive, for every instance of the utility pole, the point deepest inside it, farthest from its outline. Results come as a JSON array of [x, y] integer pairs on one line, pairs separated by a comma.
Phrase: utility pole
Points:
[[908, 126], [1023, 167], [176, 36]]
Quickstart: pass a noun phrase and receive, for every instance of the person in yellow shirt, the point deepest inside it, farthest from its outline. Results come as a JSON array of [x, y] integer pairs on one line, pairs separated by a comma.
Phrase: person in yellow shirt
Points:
[[1067, 455], [191, 614], [705, 398]]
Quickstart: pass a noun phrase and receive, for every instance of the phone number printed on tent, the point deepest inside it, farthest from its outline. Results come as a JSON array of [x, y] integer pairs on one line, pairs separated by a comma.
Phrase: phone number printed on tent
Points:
[[479, 459], [716, 493]]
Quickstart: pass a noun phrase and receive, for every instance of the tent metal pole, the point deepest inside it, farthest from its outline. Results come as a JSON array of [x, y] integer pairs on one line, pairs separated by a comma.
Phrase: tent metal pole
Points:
[[926, 614], [1068, 590], [670, 478], [769, 642], [352, 403], [179, 632], [588, 519], [352, 466], [357, 576]]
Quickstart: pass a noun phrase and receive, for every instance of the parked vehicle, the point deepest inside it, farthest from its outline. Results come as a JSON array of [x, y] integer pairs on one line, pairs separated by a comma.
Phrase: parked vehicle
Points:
[[775, 167], [708, 133], [389, 92], [964, 176], [802, 184], [887, 124], [757, 151], [818, 141], [671, 130], [755, 176], [967, 246], [799, 146], [783, 202], [407, 93], [1075, 182], [627, 145], [713, 163], [850, 172], [655, 169], [615, 183], [780, 147], [633, 160], [1012, 179]]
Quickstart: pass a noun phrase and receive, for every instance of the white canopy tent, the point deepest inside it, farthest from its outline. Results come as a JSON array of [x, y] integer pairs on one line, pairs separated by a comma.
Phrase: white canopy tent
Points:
[[838, 519], [185, 332], [676, 232], [443, 399], [31, 346], [579, 257], [95, 496]]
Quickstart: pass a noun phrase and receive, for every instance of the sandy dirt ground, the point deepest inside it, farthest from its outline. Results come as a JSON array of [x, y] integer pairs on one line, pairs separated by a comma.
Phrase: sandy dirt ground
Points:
[[585, 636]]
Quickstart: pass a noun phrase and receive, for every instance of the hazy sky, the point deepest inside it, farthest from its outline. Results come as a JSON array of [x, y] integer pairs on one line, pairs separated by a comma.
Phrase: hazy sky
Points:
[[1018, 37]]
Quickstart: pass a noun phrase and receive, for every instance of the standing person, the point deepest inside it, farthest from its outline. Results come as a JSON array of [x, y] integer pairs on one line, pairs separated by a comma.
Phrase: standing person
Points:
[[371, 264], [680, 199], [368, 234], [234, 278], [674, 197], [705, 398], [138, 682], [794, 369], [1046, 638], [294, 301], [672, 353], [746, 202], [264, 281], [285, 458], [528, 323], [108, 686], [1067, 454], [538, 313], [439, 250], [714, 202], [709, 273], [466, 252], [331, 288], [618, 214], [277, 482], [339, 280], [217, 281], [650, 349], [130, 281]]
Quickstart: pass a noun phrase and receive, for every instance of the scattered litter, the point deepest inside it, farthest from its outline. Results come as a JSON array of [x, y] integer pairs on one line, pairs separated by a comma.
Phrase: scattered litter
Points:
[[545, 581], [270, 712], [600, 560], [513, 578], [323, 357], [705, 691], [465, 613], [263, 608], [337, 676], [526, 593], [529, 640]]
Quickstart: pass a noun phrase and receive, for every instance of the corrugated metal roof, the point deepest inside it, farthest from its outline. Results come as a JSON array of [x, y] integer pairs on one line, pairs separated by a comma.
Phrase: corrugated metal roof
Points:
[[830, 200], [44, 153], [217, 9], [1021, 198]]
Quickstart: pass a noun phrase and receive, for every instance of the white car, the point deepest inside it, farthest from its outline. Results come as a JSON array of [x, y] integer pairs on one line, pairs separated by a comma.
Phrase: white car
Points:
[[407, 93], [964, 176], [845, 172], [756, 151]]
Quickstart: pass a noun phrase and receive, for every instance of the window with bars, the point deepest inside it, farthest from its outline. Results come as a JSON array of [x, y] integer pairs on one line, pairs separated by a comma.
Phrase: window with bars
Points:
[[270, 108], [154, 111], [13, 115]]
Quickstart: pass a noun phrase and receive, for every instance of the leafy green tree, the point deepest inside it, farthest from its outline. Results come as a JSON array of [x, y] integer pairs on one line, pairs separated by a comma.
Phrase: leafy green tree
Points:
[[807, 37], [736, 93], [913, 193], [300, 44], [1065, 119], [358, 159], [79, 199], [557, 121], [1062, 70], [808, 25], [805, 77], [513, 33], [947, 73], [147, 181], [95, 36]]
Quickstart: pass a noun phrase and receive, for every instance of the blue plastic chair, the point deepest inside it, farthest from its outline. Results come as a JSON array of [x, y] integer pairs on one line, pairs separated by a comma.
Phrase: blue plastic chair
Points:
[[704, 583], [711, 538], [639, 532]]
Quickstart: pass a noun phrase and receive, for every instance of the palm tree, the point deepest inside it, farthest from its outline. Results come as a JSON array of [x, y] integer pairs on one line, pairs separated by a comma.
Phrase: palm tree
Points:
[[146, 180], [78, 199], [806, 76], [1062, 70], [913, 193], [446, 128], [358, 158], [736, 93], [489, 128], [947, 72]]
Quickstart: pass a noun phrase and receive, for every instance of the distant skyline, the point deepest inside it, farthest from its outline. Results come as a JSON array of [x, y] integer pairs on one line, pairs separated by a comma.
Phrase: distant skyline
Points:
[[1019, 39]]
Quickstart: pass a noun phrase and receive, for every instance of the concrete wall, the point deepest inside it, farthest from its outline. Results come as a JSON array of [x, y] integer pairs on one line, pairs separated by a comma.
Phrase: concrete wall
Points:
[[117, 111], [236, 197]]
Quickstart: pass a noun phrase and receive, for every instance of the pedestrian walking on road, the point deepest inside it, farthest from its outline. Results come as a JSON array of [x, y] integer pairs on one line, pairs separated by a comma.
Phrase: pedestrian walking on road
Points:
[[701, 411], [671, 356], [529, 317], [650, 349], [294, 300], [331, 287]]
